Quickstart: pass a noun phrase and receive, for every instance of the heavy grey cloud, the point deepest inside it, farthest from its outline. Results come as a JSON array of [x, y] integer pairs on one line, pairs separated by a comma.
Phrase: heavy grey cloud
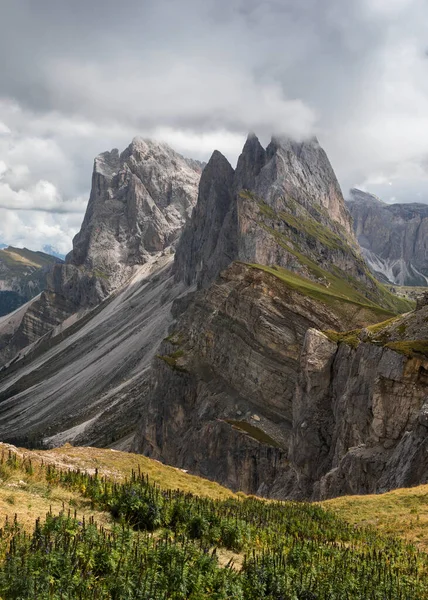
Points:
[[81, 77]]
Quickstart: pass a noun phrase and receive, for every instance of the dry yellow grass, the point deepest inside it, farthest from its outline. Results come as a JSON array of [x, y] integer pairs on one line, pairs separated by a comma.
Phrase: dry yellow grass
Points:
[[21, 259], [229, 558], [29, 503], [119, 465], [402, 513], [29, 496]]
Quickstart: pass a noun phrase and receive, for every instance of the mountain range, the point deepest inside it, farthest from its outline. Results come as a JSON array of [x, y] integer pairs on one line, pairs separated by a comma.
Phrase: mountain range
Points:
[[393, 238], [23, 275], [223, 321]]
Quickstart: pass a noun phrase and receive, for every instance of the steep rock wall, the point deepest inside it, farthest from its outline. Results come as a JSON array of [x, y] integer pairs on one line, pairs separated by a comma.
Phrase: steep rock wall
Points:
[[221, 398], [359, 418]]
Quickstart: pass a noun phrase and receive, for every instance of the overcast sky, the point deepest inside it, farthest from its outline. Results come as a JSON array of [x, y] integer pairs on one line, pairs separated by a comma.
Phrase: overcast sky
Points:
[[78, 77]]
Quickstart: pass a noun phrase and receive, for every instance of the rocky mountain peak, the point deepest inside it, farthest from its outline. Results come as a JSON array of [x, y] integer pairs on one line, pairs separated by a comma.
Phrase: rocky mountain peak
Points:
[[209, 242], [139, 201], [305, 172], [273, 206], [107, 163], [250, 163]]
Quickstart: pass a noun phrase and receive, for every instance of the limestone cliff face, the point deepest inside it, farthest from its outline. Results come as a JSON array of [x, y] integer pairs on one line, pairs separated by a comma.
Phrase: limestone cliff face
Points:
[[221, 400], [360, 411], [392, 238], [139, 202]]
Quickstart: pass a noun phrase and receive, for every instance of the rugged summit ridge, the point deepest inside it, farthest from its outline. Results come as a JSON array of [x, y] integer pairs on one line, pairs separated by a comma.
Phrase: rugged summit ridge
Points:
[[281, 206], [139, 201], [270, 209], [392, 238]]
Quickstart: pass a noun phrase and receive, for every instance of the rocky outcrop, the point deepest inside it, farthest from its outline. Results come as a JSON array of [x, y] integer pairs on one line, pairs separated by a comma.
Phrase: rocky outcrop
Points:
[[254, 388], [139, 202], [392, 238], [22, 276], [221, 401], [363, 406]]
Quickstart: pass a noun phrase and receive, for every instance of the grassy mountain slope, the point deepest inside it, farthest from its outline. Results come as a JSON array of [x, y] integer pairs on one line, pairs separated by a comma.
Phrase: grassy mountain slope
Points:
[[338, 294], [406, 334], [30, 496], [323, 254], [402, 513], [19, 259], [204, 542]]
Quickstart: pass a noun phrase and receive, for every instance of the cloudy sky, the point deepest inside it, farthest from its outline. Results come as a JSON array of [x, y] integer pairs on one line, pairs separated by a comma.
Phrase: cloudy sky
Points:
[[78, 77]]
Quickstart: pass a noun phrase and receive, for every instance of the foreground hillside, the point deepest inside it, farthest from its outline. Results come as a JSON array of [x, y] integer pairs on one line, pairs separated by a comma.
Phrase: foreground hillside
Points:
[[116, 529]]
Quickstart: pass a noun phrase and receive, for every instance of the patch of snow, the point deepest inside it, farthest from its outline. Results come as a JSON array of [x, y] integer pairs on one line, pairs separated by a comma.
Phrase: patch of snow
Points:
[[396, 271]]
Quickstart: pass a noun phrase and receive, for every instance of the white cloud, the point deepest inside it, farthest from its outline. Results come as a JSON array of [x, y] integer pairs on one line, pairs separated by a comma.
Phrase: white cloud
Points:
[[200, 75], [206, 96], [34, 230], [388, 7]]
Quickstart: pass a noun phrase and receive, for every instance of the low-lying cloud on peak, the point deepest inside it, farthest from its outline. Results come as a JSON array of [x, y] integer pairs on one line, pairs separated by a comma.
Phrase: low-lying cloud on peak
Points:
[[81, 78]]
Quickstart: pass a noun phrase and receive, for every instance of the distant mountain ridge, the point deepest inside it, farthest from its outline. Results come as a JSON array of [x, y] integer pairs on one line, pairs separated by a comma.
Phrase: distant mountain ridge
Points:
[[393, 238], [48, 249], [23, 275]]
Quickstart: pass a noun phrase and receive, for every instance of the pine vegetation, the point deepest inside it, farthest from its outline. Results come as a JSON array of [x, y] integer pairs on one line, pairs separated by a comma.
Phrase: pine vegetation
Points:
[[167, 544]]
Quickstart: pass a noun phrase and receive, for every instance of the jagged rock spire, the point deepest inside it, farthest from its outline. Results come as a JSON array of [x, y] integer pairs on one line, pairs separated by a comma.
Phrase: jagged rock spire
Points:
[[250, 163], [203, 250], [227, 223]]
